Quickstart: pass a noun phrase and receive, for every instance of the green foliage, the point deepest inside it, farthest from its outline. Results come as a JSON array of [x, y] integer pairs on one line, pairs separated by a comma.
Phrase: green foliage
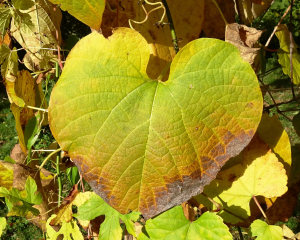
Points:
[[264, 231], [172, 224], [110, 229]]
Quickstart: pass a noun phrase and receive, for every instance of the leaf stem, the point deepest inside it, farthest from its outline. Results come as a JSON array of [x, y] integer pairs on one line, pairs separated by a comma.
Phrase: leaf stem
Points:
[[262, 211], [172, 28], [36, 108], [226, 23], [58, 178]]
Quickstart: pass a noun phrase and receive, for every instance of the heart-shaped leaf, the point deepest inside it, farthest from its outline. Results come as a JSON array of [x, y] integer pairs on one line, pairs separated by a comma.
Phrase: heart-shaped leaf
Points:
[[148, 145]]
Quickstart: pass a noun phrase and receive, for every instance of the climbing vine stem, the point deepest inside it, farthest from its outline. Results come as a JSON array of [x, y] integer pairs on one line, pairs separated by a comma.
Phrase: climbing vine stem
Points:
[[172, 28]]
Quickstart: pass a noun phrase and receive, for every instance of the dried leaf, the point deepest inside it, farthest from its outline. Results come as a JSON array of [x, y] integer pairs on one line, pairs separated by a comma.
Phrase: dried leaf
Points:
[[243, 38]]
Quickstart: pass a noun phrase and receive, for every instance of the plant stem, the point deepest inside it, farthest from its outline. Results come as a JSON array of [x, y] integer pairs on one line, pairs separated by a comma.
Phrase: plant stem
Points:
[[172, 28], [58, 178], [262, 211], [283, 16], [224, 19], [240, 233], [35, 108]]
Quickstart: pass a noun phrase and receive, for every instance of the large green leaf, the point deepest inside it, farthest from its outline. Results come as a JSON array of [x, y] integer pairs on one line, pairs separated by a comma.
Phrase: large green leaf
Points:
[[88, 11], [110, 228], [172, 224], [148, 145]]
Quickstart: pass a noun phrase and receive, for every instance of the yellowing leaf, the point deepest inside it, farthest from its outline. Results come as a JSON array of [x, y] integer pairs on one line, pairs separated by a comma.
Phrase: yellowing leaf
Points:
[[67, 229], [36, 27], [260, 174], [5, 16], [6, 175], [87, 11], [9, 67], [148, 145], [25, 88], [188, 23], [283, 36], [64, 212], [2, 224], [264, 231], [22, 4], [271, 131]]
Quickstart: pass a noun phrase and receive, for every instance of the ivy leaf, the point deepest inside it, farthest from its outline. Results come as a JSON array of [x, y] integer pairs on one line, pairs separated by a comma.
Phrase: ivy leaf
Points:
[[146, 145], [5, 16], [87, 11], [110, 228], [2, 224], [28, 198], [264, 231], [283, 36], [172, 224], [22, 4], [67, 229], [260, 174]]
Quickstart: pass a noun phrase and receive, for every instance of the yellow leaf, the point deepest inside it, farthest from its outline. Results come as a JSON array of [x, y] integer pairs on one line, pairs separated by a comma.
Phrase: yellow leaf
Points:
[[283, 36], [271, 131], [260, 174]]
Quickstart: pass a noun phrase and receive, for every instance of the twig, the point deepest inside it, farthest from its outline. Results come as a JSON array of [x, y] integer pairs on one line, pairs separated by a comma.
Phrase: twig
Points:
[[268, 72], [36, 108], [240, 233], [217, 6], [58, 178], [286, 11], [291, 49], [262, 211], [172, 28], [281, 103], [58, 50]]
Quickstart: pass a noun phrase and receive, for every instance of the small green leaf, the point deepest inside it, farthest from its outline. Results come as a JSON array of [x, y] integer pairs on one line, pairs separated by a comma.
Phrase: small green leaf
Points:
[[67, 229], [28, 198], [172, 224], [22, 4], [5, 16], [263, 231], [9, 159], [87, 11], [110, 228], [2, 224], [32, 130]]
